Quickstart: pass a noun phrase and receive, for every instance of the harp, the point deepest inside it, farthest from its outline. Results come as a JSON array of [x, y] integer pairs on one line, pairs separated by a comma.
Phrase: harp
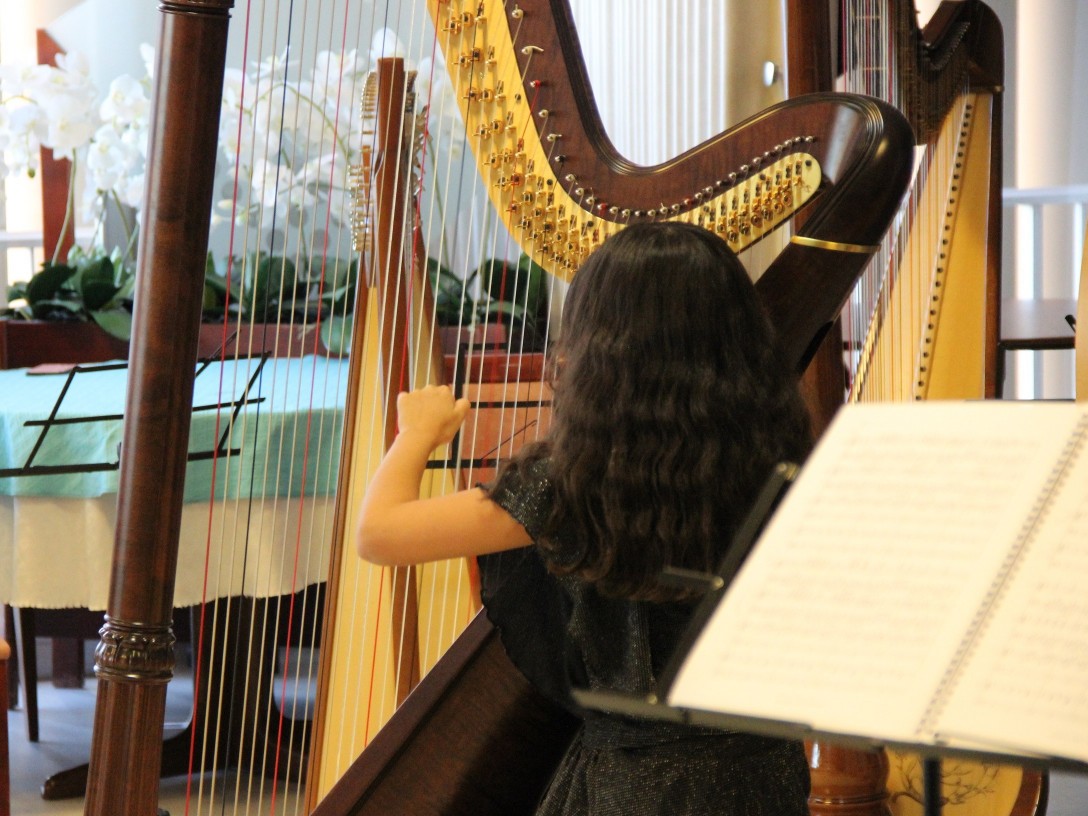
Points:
[[923, 324], [923, 321], [561, 195]]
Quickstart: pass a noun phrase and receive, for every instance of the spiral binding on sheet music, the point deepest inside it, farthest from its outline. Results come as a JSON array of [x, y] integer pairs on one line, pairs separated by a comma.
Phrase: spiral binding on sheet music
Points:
[[1009, 569]]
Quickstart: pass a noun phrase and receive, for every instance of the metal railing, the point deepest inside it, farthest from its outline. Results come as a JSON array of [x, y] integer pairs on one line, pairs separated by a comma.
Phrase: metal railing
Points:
[[1045, 230], [21, 255]]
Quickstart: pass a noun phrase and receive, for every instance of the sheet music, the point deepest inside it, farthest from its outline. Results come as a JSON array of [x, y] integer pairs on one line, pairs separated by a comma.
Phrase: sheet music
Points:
[[1028, 677], [856, 598]]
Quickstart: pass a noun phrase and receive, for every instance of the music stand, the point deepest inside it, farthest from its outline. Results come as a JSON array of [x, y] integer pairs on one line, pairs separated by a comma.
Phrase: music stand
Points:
[[715, 585]]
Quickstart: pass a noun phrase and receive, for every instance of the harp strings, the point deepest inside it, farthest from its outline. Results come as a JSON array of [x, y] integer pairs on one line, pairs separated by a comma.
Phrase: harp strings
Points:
[[370, 609], [412, 364], [205, 755], [450, 215], [892, 317], [264, 115], [867, 71]]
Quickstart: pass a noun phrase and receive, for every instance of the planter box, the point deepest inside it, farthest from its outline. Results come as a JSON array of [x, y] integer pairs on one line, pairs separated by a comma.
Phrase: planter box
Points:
[[25, 343], [490, 360], [497, 367], [259, 338]]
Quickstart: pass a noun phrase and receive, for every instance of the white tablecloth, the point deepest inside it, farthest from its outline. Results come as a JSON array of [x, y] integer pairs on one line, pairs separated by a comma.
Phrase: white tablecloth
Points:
[[57, 553]]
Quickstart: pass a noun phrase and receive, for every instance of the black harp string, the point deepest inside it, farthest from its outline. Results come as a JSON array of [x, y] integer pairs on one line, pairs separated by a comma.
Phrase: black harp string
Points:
[[273, 721], [215, 692], [219, 691]]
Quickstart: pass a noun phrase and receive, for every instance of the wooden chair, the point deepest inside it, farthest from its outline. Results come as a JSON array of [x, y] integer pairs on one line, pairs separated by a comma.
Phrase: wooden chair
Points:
[[8, 631], [67, 629], [5, 774]]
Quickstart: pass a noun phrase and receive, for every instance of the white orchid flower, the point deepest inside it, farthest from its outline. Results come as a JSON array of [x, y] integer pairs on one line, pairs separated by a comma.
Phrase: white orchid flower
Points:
[[386, 44], [126, 103], [147, 54]]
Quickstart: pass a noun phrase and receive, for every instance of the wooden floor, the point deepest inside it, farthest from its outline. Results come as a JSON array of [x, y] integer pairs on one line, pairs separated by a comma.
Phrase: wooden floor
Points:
[[66, 716], [65, 719]]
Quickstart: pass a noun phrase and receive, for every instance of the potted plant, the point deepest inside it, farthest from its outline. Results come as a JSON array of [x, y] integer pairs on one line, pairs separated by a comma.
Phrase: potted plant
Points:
[[72, 312], [57, 108], [509, 299], [271, 304]]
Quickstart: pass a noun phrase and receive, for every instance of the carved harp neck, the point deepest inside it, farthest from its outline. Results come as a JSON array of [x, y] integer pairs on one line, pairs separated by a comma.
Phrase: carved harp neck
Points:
[[561, 187]]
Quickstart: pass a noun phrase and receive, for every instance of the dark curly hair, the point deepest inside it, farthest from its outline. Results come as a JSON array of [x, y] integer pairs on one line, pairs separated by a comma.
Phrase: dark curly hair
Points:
[[671, 408]]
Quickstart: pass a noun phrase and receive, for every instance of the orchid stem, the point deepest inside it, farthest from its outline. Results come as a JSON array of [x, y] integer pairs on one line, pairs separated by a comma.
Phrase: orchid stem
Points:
[[69, 208]]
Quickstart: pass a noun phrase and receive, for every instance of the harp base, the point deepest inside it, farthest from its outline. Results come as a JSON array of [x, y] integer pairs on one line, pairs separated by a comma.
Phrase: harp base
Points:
[[242, 712]]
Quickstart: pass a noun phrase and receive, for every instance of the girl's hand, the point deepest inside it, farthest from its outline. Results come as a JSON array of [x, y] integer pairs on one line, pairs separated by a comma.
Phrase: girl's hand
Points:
[[396, 526], [431, 414]]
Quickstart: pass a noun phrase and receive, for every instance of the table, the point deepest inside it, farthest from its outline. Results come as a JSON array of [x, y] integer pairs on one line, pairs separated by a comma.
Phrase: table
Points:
[[273, 481], [266, 493], [1033, 325]]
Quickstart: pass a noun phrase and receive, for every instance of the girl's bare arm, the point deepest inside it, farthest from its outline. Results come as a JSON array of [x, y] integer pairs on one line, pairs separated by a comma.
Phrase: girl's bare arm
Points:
[[397, 527]]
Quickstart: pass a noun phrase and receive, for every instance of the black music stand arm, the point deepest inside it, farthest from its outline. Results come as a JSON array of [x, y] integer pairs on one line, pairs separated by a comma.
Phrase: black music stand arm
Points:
[[931, 786]]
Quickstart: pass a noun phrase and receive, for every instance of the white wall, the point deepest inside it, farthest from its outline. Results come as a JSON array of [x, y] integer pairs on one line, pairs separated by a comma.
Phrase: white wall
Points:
[[18, 21], [109, 32], [1052, 41]]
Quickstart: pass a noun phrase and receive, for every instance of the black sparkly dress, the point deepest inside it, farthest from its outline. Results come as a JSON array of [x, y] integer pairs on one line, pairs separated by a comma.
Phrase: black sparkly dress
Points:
[[562, 634]]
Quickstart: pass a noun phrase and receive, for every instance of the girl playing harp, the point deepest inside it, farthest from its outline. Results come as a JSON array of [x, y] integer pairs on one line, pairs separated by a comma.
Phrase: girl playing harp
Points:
[[670, 409]]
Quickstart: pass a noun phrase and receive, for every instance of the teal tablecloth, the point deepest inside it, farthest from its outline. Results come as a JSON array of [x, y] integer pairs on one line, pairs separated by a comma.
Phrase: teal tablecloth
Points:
[[284, 441]]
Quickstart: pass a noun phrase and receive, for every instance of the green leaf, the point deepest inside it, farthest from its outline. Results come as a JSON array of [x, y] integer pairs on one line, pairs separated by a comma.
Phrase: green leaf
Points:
[[211, 301], [45, 284], [453, 304], [23, 312], [336, 335], [117, 322], [451, 310], [280, 275], [217, 284], [523, 282], [97, 294], [127, 289], [57, 309], [443, 279], [339, 272], [95, 282], [502, 307], [339, 301]]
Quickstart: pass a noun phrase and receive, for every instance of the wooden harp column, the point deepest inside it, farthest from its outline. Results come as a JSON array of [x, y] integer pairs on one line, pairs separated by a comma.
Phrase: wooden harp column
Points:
[[134, 660], [392, 283]]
